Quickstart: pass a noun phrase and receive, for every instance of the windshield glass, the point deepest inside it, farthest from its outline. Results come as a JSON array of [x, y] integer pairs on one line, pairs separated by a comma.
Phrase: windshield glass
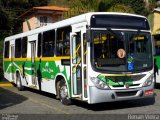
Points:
[[121, 51]]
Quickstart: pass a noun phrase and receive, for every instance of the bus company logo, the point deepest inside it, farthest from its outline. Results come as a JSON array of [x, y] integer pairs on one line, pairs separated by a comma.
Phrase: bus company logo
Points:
[[46, 65], [126, 85], [121, 53]]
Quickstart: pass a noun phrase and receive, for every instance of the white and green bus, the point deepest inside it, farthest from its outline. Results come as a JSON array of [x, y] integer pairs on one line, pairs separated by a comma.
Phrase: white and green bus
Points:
[[94, 57]]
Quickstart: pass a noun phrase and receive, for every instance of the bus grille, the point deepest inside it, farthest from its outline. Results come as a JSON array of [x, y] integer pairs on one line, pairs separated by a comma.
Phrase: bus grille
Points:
[[125, 78], [117, 86], [137, 77], [125, 94]]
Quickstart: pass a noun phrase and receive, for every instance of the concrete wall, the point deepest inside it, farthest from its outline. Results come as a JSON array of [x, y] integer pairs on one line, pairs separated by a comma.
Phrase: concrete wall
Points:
[[156, 21], [33, 21]]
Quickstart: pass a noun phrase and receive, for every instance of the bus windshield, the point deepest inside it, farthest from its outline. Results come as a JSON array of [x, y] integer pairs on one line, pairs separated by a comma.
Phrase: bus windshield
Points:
[[121, 51]]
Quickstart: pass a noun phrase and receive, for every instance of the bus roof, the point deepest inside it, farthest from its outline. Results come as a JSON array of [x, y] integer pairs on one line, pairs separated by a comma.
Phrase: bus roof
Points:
[[70, 21]]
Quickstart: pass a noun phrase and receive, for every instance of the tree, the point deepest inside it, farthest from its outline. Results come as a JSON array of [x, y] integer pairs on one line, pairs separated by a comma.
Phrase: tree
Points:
[[150, 19], [105, 4], [121, 8], [138, 6], [14, 8], [33, 3], [152, 4], [81, 6], [4, 24], [9, 12]]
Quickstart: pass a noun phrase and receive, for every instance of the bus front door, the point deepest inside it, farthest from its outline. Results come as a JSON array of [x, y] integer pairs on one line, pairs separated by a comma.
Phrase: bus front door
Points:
[[78, 67]]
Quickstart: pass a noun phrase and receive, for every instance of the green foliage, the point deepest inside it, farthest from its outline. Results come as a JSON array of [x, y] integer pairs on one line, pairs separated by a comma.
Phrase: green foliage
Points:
[[1, 58], [9, 12], [121, 8], [150, 19], [135, 6], [152, 4], [82, 6], [33, 3], [3, 19], [1, 51], [139, 7], [11, 9], [105, 4]]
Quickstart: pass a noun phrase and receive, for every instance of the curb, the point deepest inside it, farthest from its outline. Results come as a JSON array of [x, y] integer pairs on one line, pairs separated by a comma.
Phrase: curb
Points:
[[5, 85]]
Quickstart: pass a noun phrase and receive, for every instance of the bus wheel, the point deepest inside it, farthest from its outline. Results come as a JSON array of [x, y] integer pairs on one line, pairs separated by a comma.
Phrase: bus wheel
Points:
[[19, 83], [57, 89], [63, 93]]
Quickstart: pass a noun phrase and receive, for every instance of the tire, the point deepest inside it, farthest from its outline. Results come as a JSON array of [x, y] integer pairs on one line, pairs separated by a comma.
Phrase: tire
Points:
[[57, 89], [19, 83], [63, 93]]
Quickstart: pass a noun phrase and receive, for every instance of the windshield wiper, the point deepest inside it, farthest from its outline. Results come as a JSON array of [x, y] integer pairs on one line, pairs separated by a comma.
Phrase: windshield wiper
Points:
[[115, 34]]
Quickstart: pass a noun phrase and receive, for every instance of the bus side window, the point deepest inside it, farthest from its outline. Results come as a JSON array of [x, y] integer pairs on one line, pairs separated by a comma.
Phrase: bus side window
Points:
[[63, 41], [48, 43], [39, 45], [24, 45], [18, 49], [6, 50]]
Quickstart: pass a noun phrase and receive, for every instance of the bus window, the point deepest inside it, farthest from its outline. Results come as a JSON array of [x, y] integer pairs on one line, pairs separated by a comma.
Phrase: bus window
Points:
[[48, 43], [24, 45], [138, 45], [62, 43], [39, 45], [6, 50], [106, 46], [18, 48]]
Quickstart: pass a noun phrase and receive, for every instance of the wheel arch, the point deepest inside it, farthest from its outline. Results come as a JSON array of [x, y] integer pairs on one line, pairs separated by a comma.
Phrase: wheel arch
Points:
[[60, 77], [18, 72]]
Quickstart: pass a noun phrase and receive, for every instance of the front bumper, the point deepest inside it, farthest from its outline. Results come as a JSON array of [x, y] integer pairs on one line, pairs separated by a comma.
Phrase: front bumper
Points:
[[99, 96]]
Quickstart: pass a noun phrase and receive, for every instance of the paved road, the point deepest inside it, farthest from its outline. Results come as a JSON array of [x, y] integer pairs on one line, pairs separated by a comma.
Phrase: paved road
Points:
[[35, 102]]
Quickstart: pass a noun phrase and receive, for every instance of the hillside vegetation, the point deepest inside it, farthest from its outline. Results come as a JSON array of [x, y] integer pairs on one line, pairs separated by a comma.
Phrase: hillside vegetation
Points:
[[10, 24]]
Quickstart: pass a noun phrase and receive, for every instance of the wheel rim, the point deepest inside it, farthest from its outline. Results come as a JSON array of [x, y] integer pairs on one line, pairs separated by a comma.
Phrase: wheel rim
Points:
[[63, 92], [18, 82]]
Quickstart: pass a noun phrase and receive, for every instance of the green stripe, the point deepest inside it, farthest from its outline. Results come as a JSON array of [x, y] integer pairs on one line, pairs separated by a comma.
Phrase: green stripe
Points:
[[116, 80]]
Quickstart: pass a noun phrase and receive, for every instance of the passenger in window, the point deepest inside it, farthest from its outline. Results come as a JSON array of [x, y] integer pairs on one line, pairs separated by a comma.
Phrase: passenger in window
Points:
[[59, 49], [44, 51], [51, 50]]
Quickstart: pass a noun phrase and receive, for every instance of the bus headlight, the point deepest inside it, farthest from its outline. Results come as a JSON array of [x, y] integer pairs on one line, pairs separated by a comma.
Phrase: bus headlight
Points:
[[99, 83], [148, 82]]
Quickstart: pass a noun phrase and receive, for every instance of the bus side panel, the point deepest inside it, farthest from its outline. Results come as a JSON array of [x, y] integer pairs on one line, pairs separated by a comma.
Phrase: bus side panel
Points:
[[46, 73], [11, 68], [7, 69], [17, 67], [45, 76]]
